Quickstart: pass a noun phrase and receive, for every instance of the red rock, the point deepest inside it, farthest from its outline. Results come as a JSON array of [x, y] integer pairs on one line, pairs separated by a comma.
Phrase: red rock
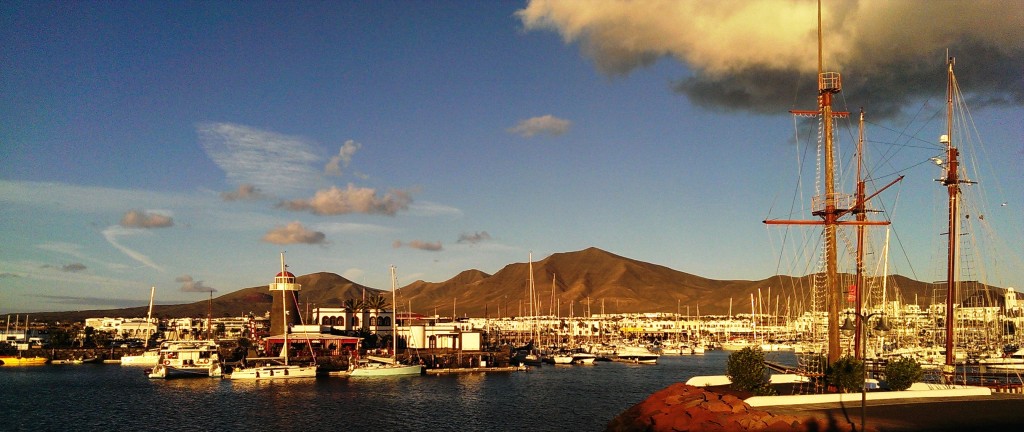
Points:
[[680, 407], [717, 406]]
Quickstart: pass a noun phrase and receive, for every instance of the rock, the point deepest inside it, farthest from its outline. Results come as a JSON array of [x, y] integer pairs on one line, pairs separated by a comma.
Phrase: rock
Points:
[[680, 407]]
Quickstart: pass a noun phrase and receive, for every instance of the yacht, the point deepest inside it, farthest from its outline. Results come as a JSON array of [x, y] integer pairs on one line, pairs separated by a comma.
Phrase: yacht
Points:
[[199, 358], [635, 354], [149, 357]]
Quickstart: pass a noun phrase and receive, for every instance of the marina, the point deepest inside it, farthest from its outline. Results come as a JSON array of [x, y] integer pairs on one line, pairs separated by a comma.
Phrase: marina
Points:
[[468, 401]]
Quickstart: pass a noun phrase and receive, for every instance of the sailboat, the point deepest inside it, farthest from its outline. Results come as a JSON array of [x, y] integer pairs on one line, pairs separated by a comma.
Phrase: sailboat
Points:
[[529, 354], [19, 359], [388, 366], [151, 356], [284, 282]]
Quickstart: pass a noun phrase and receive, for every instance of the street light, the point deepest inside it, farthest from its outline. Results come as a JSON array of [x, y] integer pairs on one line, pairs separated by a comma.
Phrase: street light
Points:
[[848, 328]]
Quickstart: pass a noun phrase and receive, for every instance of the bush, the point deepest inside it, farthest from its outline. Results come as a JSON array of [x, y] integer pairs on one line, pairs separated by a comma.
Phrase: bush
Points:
[[747, 371], [847, 374], [901, 374]]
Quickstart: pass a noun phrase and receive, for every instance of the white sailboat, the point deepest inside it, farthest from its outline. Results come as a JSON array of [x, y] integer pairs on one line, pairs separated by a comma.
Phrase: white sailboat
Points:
[[387, 366], [150, 357], [284, 282]]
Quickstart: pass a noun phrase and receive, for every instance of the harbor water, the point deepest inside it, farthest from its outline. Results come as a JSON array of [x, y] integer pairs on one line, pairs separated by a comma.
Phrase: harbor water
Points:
[[113, 397]]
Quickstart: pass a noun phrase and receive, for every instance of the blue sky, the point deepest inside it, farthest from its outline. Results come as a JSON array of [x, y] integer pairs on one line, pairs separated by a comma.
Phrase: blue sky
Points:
[[184, 145]]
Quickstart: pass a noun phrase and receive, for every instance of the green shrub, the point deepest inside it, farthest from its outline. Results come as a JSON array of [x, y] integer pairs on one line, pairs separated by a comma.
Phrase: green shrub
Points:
[[901, 374], [747, 371], [847, 374]]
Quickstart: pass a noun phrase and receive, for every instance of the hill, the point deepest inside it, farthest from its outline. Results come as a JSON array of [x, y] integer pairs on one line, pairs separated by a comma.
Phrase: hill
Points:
[[611, 283]]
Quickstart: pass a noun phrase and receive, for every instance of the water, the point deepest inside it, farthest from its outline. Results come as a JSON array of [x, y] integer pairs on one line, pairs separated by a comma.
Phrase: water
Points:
[[111, 397]]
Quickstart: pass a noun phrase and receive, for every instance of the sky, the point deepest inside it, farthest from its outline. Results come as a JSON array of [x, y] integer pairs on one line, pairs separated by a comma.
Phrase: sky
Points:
[[186, 145]]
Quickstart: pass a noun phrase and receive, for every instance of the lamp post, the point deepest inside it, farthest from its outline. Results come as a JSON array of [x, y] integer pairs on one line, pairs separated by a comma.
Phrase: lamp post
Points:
[[848, 328]]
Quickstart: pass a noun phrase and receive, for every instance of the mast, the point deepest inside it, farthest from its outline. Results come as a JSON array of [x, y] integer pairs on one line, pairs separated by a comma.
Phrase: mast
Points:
[[209, 318], [394, 325], [952, 183], [832, 206], [284, 282], [149, 315], [861, 216], [284, 314]]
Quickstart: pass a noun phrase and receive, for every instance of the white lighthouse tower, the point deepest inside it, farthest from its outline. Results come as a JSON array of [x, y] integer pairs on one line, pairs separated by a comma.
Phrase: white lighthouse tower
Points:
[[285, 311]]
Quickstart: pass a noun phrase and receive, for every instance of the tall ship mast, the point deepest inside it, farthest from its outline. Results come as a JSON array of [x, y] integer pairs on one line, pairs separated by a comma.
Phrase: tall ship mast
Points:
[[831, 206]]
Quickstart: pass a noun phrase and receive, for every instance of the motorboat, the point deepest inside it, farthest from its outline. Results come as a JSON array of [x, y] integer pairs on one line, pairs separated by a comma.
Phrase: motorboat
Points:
[[635, 354], [195, 358], [149, 357]]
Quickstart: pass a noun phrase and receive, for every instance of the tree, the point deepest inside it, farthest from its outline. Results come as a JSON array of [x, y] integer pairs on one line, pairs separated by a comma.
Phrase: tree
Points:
[[377, 302], [903, 373], [353, 305], [847, 374], [747, 371]]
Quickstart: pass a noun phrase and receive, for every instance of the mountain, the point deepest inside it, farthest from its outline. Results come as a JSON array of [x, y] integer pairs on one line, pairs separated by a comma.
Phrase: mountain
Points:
[[612, 283]]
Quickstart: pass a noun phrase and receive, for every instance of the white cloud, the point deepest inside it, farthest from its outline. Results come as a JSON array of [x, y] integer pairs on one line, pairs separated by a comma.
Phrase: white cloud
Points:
[[351, 228], [546, 124], [337, 201], [754, 54], [293, 233], [353, 274], [146, 219], [269, 161], [419, 244], [342, 159], [190, 285], [244, 192], [112, 234], [427, 208]]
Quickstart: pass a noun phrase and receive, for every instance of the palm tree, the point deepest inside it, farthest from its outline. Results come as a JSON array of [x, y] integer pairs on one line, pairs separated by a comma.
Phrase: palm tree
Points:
[[353, 305], [377, 302]]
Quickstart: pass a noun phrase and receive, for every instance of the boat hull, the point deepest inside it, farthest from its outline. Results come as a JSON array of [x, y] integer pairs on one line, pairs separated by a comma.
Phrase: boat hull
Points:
[[22, 361], [278, 372], [386, 370]]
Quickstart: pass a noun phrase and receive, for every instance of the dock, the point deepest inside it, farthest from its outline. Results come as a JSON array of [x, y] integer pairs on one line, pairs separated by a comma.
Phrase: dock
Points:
[[445, 371]]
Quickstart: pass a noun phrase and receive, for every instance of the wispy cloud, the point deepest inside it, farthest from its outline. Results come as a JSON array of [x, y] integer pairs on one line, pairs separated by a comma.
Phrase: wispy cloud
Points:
[[337, 201], [353, 274], [90, 301], [547, 124], [270, 161], [112, 233], [190, 285], [144, 219], [73, 267], [419, 244], [427, 208], [342, 159], [351, 228], [293, 233], [474, 238], [750, 55], [244, 192]]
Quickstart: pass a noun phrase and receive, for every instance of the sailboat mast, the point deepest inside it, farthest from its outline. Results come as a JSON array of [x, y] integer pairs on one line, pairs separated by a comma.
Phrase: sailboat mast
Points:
[[284, 314], [952, 183], [394, 321], [149, 315], [861, 216]]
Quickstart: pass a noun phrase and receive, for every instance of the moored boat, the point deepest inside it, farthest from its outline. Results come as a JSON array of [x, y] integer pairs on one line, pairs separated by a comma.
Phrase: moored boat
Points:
[[635, 354], [197, 358], [17, 360], [149, 357], [276, 368], [387, 366]]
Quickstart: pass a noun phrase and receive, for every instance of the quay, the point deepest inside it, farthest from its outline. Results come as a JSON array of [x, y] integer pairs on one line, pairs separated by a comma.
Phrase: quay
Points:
[[445, 371]]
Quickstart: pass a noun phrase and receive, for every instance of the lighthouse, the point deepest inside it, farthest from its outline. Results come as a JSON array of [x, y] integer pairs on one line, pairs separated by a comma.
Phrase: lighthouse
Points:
[[284, 312]]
